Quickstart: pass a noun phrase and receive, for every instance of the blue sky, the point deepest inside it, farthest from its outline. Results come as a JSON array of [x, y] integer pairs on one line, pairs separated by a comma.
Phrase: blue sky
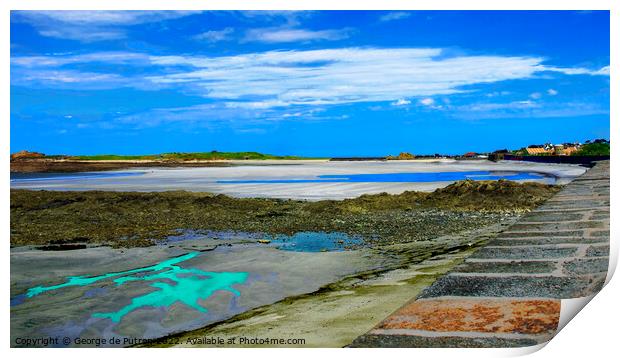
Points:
[[320, 83]]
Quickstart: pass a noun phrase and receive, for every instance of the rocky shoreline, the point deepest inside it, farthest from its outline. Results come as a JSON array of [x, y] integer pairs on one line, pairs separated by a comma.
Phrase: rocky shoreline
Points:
[[78, 166], [131, 219]]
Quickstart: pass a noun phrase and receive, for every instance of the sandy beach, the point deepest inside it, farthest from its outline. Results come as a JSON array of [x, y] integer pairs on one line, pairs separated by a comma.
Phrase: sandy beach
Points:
[[212, 179]]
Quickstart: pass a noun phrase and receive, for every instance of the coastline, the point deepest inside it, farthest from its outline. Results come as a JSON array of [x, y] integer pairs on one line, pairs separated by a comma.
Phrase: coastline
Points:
[[77, 166], [412, 239]]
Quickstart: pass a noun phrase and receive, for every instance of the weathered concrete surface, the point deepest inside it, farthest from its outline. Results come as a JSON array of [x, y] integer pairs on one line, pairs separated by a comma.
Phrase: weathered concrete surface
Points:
[[68, 312], [507, 294]]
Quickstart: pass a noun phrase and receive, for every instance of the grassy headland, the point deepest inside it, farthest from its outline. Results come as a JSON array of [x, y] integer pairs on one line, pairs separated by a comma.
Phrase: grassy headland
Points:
[[177, 156], [140, 219], [32, 162]]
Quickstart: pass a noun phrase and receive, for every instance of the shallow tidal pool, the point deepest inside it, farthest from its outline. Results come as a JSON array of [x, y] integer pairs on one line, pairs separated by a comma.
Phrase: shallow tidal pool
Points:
[[304, 241]]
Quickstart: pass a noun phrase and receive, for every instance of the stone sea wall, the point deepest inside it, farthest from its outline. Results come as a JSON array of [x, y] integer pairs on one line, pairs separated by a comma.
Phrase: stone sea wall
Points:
[[508, 293]]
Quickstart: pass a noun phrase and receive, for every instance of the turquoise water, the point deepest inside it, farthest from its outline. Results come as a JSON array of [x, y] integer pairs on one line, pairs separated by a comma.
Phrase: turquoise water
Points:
[[189, 285], [398, 178]]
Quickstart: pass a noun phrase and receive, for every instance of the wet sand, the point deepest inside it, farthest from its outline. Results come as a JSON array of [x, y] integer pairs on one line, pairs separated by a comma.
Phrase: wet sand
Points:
[[207, 179]]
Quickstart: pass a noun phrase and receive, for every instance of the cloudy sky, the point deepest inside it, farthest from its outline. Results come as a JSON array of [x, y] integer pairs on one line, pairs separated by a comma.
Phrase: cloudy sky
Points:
[[307, 83]]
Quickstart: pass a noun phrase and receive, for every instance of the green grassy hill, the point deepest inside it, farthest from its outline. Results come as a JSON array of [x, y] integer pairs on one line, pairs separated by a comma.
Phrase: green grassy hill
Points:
[[214, 155]]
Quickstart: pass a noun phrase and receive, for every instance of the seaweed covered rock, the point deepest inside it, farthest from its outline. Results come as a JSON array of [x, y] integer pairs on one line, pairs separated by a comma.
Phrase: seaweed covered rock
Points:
[[500, 195], [140, 219]]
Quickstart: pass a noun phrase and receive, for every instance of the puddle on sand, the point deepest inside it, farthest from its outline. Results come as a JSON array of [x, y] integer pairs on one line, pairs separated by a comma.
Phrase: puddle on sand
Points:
[[313, 241], [304, 241], [189, 285]]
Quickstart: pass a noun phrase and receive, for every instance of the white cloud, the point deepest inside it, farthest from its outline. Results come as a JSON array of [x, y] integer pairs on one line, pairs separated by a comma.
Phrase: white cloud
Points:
[[427, 101], [604, 71], [535, 95], [497, 94], [401, 102], [396, 15], [526, 109], [287, 17], [77, 33], [552, 92], [222, 115], [487, 107], [275, 35], [116, 58], [101, 17], [288, 78], [215, 35], [208, 114], [68, 77], [90, 26]]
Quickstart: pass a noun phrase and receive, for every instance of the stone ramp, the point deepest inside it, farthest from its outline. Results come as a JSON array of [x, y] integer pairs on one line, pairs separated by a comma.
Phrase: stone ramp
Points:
[[507, 294]]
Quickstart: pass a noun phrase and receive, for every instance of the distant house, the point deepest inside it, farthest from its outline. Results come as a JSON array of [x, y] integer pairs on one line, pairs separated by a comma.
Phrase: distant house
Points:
[[552, 149], [538, 150], [470, 155], [568, 150], [576, 144]]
